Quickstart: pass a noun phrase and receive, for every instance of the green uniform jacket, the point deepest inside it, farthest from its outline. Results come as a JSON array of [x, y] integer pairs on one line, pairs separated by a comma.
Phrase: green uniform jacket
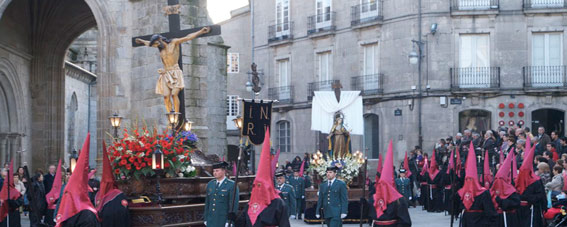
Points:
[[298, 186], [334, 199], [403, 186], [288, 196], [218, 201]]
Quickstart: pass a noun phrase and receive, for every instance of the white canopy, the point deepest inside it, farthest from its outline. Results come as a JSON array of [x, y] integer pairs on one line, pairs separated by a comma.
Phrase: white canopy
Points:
[[325, 105]]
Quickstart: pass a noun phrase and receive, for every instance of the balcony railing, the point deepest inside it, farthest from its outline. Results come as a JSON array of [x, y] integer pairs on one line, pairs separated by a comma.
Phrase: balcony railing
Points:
[[282, 94], [545, 76], [475, 78], [366, 13], [321, 23], [326, 85], [281, 31], [545, 4], [368, 84], [464, 5]]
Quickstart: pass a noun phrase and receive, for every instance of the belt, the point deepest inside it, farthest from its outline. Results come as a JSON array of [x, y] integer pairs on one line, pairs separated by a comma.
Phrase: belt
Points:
[[433, 186], [524, 203], [474, 211], [388, 222], [507, 211], [448, 187], [423, 183]]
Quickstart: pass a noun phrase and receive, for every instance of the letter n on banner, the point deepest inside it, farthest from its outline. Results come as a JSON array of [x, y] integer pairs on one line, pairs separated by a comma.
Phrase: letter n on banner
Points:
[[256, 118]]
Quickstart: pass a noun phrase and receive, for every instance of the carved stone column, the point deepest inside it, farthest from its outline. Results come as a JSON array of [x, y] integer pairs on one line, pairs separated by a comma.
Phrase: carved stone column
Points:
[[3, 150]]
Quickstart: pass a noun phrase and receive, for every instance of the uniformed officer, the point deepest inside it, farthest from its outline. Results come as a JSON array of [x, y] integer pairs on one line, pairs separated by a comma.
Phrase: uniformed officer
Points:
[[298, 184], [219, 198], [333, 199], [403, 185], [287, 194]]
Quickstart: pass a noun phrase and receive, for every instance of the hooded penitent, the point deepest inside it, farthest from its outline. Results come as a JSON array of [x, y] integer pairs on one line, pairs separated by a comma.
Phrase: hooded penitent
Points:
[[386, 192], [406, 165], [302, 168], [502, 186], [263, 191], [433, 168], [425, 167], [527, 175], [75, 198], [108, 189], [55, 192], [379, 167], [471, 188], [8, 188]]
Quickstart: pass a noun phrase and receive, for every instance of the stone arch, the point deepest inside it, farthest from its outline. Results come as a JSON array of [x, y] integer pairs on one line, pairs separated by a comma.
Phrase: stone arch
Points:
[[14, 95], [476, 120]]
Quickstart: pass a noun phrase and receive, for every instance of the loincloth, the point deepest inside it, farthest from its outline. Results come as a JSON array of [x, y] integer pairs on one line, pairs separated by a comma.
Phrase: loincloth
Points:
[[169, 78]]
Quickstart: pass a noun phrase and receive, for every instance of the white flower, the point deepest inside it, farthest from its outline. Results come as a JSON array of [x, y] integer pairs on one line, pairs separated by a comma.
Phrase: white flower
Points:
[[182, 169], [180, 174]]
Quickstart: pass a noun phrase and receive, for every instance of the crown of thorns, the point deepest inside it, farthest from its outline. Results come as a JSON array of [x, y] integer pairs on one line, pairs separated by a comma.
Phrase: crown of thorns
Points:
[[340, 115]]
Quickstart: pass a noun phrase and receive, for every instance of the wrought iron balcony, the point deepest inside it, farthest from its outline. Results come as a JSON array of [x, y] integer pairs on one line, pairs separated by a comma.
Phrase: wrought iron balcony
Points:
[[326, 85], [476, 78], [321, 23], [282, 94], [545, 4], [468, 5], [281, 31], [368, 84], [366, 13], [545, 76]]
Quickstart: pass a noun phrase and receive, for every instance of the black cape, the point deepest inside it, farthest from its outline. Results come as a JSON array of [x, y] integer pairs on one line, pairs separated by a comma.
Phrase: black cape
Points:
[[436, 188], [424, 188], [14, 213], [397, 210], [534, 195], [274, 215], [114, 214], [510, 206], [38, 204], [85, 218], [482, 203]]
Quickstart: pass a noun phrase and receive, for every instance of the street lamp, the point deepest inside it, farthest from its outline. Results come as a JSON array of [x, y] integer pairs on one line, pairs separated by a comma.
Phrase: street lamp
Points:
[[173, 118], [413, 57], [157, 166], [249, 86], [238, 121], [73, 160], [187, 125], [115, 121]]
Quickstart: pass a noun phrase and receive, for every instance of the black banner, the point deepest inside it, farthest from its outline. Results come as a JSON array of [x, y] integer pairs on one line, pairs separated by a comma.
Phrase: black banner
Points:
[[257, 117]]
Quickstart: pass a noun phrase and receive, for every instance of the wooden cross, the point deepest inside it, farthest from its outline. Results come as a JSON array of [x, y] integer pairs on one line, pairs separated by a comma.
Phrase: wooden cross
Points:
[[172, 10], [337, 88]]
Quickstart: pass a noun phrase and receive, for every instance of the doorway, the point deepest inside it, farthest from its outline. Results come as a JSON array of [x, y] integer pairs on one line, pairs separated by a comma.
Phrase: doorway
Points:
[[550, 119]]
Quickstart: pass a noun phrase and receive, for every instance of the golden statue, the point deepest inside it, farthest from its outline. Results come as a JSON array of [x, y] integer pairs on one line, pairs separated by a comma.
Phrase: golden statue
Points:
[[170, 81], [339, 138]]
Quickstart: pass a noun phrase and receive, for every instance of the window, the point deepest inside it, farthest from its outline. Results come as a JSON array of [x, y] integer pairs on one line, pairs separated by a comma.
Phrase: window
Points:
[[474, 61], [370, 67], [282, 18], [284, 136], [547, 3], [233, 106], [233, 61], [368, 8], [325, 72], [323, 13], [283, 76], [547, 58]]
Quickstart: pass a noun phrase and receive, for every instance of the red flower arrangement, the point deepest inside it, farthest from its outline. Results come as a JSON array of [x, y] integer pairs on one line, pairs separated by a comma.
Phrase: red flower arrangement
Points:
[[132, 155]]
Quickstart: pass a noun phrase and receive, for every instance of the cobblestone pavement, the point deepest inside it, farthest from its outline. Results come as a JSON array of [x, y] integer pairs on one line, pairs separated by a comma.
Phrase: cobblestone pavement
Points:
[[419, 218]]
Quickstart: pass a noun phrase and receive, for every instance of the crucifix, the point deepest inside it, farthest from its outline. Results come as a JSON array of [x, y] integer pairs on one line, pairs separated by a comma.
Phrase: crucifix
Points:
[[337, 89], [170, 83]]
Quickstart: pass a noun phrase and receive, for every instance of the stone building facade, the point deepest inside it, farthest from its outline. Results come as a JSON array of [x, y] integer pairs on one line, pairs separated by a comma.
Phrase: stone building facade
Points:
[[36, 38], [485, 63]]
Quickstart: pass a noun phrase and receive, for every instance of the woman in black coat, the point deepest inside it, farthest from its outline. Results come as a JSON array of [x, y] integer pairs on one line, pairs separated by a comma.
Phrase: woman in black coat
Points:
[[38, 204]]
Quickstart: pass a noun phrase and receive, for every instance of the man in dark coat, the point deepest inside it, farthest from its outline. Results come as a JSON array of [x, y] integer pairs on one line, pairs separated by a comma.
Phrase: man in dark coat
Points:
[[48, 178], [38, 203]]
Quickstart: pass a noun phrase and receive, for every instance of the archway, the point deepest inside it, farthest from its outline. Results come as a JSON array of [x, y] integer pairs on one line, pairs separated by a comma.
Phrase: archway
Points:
[[550, 119], [44, 31], [371, 135], [476, 120]]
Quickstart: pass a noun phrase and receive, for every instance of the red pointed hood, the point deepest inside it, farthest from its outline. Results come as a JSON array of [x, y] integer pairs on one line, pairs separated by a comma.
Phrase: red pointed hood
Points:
[[501, 157], [527, 175], [108, 189], [302, 168], [263, 191], [55, 192], [502, 186], [8, 186], [425, 167], [406, 165], [471, 188], [451, 162], [75, 198], [486, 171], [379, 167], [433, 168], [386, 192]]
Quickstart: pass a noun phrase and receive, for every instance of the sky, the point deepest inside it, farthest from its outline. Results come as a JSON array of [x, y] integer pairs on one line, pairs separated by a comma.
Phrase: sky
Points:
[[219, 10]]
